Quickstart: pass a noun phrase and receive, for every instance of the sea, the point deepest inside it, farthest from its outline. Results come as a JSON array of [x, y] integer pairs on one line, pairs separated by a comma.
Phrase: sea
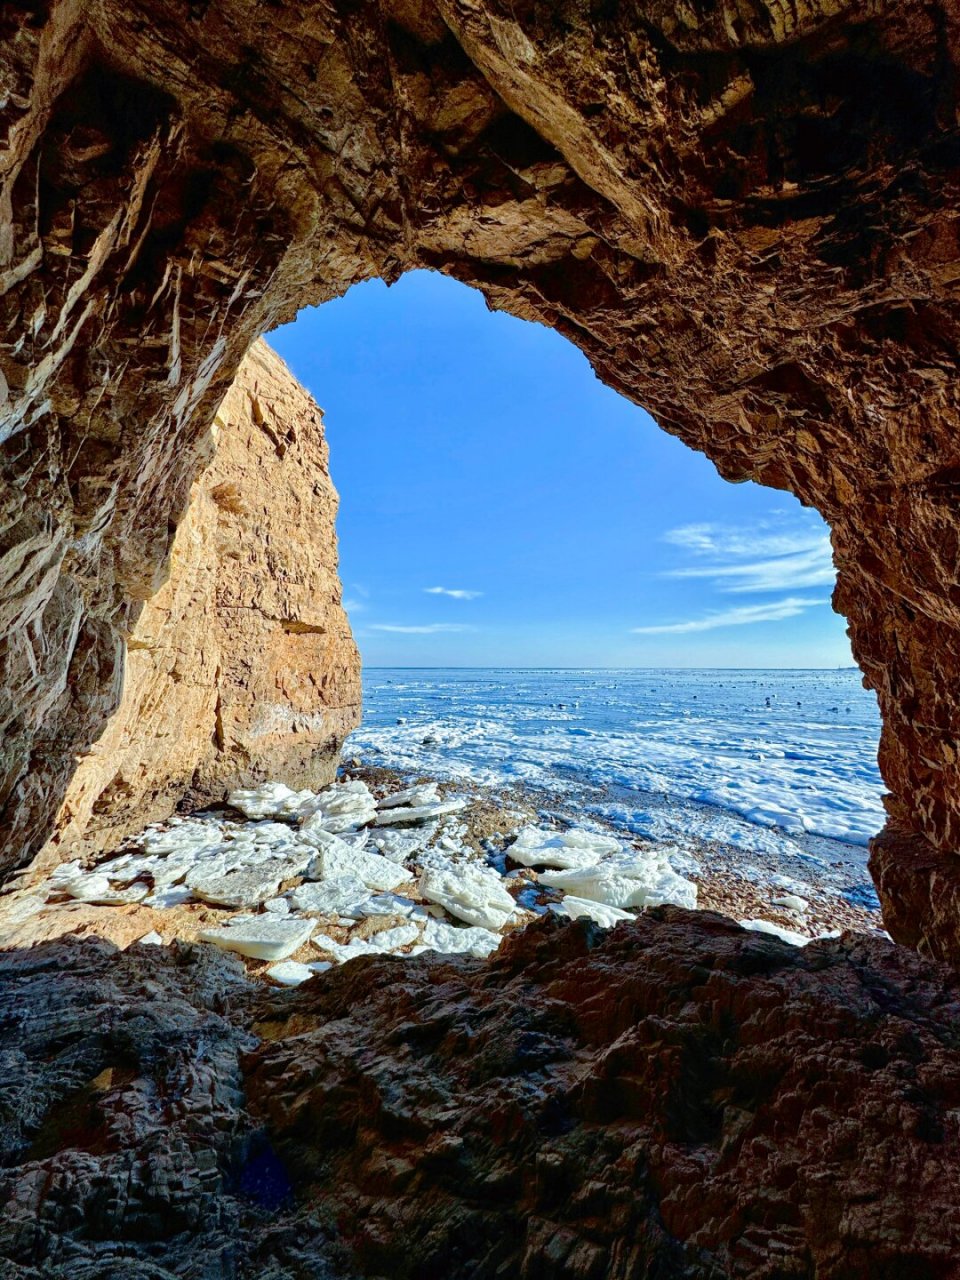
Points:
[[779, 766]]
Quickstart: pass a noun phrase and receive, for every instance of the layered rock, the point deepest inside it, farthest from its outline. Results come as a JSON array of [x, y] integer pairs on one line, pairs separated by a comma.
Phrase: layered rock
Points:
[[744, 214], [676, 1097], [242, 666]]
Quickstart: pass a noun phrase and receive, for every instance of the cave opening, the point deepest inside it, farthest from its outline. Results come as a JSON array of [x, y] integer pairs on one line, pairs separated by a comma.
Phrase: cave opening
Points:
[[502, 511]]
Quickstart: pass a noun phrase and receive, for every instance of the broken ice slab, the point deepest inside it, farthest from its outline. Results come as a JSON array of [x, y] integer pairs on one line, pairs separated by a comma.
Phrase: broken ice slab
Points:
[[335, 858], [448, 939], [330, 897], [641, 881], [271, 800], [266, 937], [599, 912], [381, 943], [565, 850], [421, 813], [469, 892], [423, 794]]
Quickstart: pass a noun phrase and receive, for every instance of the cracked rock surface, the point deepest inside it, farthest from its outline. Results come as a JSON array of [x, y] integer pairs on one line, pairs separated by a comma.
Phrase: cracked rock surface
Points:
[[674, 1097]]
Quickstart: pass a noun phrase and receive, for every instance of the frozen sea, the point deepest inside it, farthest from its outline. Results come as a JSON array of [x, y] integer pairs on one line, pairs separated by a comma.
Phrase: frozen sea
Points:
[[781, 765]]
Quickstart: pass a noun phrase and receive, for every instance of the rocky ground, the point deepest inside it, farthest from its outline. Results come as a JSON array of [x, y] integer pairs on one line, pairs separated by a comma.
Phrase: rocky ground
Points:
[[676, 1097], [342, 1086]]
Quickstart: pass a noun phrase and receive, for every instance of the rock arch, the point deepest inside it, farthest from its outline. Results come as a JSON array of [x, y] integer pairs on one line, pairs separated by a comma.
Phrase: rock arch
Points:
[[744, 212]]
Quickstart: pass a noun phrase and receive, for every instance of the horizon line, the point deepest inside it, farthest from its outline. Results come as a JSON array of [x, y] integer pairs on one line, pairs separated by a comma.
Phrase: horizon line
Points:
[[512, 666]]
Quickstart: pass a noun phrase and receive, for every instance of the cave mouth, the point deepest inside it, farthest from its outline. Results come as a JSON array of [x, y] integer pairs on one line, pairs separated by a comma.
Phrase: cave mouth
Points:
[[745, 217], [748, 227]]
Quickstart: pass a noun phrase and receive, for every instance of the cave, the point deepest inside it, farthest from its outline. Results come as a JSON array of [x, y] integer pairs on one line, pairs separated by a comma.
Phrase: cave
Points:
[[744, 214]]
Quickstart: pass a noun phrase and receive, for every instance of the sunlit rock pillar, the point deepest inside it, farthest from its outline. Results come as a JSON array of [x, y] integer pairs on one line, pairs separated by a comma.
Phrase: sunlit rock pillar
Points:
[[242, 667]]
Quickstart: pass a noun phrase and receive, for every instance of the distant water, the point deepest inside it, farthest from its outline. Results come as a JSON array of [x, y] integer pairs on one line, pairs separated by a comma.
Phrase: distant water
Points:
[[752, 758]]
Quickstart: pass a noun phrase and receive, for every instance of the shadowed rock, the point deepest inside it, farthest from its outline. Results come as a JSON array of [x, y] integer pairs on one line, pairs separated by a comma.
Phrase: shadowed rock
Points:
[[676, 1097]]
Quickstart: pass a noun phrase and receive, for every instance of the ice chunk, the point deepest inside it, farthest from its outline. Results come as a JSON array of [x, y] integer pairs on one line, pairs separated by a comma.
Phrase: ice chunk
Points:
[[604, 915], [793, 903], [266, 937], [271, 800], [386, 941], [390, 904], [775, 931], [188, 837], [335, 858], [425, 793], [331, 896], [96, 889], [342, 807], [174, 896], [470, 892], [277, 906], [242, 887], [290, 973], [420, 813], [536, 847], [151, 939], [399, 846], [635, 882], [448, 939]]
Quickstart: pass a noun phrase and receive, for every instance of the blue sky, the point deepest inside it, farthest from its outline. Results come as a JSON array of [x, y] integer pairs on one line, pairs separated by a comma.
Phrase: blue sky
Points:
[[501, 507]]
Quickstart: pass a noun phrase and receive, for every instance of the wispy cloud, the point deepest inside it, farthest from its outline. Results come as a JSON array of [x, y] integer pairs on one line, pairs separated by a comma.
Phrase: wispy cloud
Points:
[[742, 616], [426, 629], [757, 559], [455, 593], [354, 606]]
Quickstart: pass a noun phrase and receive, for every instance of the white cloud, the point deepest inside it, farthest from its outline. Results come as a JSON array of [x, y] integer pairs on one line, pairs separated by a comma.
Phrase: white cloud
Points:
[[354, 606], [758, 559], [427, 629], [455, 593], [744, 615]]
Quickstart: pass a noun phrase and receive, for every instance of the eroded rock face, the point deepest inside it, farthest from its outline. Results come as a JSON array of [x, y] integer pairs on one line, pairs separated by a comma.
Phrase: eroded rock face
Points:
[[242, 666], [744, 214], [677, 1097]]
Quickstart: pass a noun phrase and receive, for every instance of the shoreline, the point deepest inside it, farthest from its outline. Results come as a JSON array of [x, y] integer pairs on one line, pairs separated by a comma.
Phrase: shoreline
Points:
[[106, 899], [720, 871]]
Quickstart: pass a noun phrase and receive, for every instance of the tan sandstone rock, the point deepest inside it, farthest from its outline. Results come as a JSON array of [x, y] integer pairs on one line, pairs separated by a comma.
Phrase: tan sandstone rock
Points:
[[242, 666]]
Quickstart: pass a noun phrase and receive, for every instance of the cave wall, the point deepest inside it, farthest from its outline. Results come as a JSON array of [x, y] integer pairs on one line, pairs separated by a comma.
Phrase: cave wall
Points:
[[242, 667], [745, 213]]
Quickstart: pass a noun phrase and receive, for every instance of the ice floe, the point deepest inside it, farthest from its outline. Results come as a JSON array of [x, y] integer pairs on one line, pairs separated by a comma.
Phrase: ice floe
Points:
[[266, 937], [335, 858], [565, 850], [470, 892], [599, 912], [420, 813]]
